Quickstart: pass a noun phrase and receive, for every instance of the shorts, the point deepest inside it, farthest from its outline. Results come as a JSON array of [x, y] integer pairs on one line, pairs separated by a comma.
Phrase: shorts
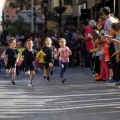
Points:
[[41, 65], [10, 65], [46, 65], [29, 68]]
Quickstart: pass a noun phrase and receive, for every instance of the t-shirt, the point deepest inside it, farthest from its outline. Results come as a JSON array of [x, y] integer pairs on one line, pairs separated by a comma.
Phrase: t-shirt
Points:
[[11, 55], [50, 52], [29, 57], [108, 24], [64, 52], [88, 32], [116, 46], [20, 50]]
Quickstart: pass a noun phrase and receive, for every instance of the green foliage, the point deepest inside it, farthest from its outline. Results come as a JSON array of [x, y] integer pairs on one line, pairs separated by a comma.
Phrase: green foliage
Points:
[[20, 4], [17, 25]]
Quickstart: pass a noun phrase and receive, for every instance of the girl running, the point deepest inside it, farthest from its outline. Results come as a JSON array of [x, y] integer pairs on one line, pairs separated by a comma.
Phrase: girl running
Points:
[[64, 52]]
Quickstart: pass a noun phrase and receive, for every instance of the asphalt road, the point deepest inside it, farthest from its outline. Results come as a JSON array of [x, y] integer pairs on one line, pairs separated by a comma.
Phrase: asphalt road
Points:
[[79, 98]]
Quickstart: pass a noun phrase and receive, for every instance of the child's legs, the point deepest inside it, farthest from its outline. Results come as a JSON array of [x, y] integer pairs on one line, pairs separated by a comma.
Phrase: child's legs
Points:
[[7, 71], [105, 65], [102, 71], [13, 73], [97, 65], [17, 70], [46, 69], [32, 74], [51, 66], [63, 67]]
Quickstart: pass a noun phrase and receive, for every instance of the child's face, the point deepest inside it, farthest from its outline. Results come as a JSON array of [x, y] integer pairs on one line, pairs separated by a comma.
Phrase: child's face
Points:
[[48, 42], [37, 44], [99, 26], [103, 38], [13, 44], [18, 45], [97, 42], [29, 44], [62, 43]]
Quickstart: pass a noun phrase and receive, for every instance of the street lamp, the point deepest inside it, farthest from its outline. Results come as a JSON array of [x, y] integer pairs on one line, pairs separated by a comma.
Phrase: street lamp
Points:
[[45, 4]]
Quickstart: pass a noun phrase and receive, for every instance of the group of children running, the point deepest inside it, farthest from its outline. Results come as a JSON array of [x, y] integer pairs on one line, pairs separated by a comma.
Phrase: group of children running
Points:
[[24, 58]]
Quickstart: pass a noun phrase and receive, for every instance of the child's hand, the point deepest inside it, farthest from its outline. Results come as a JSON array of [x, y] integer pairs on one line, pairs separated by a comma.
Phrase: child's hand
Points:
[[5, 63], [91, 50], [56, 57], [44, 54], [113, 54], [117, 59]]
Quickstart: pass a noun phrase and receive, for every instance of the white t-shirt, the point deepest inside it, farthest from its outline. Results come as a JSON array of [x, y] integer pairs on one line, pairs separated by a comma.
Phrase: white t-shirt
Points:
[[108, 24]]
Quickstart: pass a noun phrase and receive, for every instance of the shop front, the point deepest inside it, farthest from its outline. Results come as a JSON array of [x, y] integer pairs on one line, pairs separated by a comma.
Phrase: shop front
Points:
[[112, 4]]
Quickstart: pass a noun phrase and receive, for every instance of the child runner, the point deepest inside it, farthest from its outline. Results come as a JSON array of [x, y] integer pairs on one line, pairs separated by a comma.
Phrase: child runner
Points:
[[64, 53], [29, 55], [10, 59], [49, 52]]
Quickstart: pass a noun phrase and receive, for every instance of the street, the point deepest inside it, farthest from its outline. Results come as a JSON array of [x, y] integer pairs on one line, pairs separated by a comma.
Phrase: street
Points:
[[79, 98]]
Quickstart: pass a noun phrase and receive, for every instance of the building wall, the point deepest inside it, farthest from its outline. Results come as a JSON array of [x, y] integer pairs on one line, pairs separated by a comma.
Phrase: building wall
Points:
[[77, 7]]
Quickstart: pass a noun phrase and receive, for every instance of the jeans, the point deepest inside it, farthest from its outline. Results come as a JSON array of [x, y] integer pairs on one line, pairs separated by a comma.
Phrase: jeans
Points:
[[63, 66]]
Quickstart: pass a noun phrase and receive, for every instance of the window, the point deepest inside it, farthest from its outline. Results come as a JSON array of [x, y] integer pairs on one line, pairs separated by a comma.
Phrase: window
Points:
[[67, 2]]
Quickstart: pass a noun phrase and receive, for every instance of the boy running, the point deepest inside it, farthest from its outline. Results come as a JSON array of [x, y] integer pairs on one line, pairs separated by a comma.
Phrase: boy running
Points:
[[29, 56], [10, 59]]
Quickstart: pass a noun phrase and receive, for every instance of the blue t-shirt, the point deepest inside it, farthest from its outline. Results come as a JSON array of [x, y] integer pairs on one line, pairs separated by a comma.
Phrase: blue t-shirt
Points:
[[116, 47]]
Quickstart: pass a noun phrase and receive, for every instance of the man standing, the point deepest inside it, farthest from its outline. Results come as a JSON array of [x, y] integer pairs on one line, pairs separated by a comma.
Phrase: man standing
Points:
[[88, 39], [108, 31]]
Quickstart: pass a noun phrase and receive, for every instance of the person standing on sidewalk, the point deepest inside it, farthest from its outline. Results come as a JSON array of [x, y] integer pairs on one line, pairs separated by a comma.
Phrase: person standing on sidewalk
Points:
[[88, 39], [109, 32], [29, 64], [10, 59], [64, 53]]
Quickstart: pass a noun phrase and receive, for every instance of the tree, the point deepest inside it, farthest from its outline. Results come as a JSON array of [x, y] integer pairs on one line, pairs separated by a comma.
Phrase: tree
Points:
[[17, 25], [20, 4]]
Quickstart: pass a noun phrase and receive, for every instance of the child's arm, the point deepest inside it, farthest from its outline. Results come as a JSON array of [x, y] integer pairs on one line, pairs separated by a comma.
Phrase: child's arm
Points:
[[5, 59], [95, 49]]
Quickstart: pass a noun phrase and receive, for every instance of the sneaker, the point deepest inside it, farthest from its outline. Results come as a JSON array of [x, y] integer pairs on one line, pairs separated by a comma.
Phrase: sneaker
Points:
[[63, 80], [30, 85], [112, 81], [98, 78], [51, 73], [13, 82], [44, 76], [48, 78]]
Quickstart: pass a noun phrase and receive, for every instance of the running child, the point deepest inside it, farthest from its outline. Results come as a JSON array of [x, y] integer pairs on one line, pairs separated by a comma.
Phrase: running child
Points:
[[49, 52], [10, 59], [63, 52], [29, 56]]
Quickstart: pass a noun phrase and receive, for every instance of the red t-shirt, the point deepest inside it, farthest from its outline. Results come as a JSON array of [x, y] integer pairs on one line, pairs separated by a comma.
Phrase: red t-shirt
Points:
[[88, 32]]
